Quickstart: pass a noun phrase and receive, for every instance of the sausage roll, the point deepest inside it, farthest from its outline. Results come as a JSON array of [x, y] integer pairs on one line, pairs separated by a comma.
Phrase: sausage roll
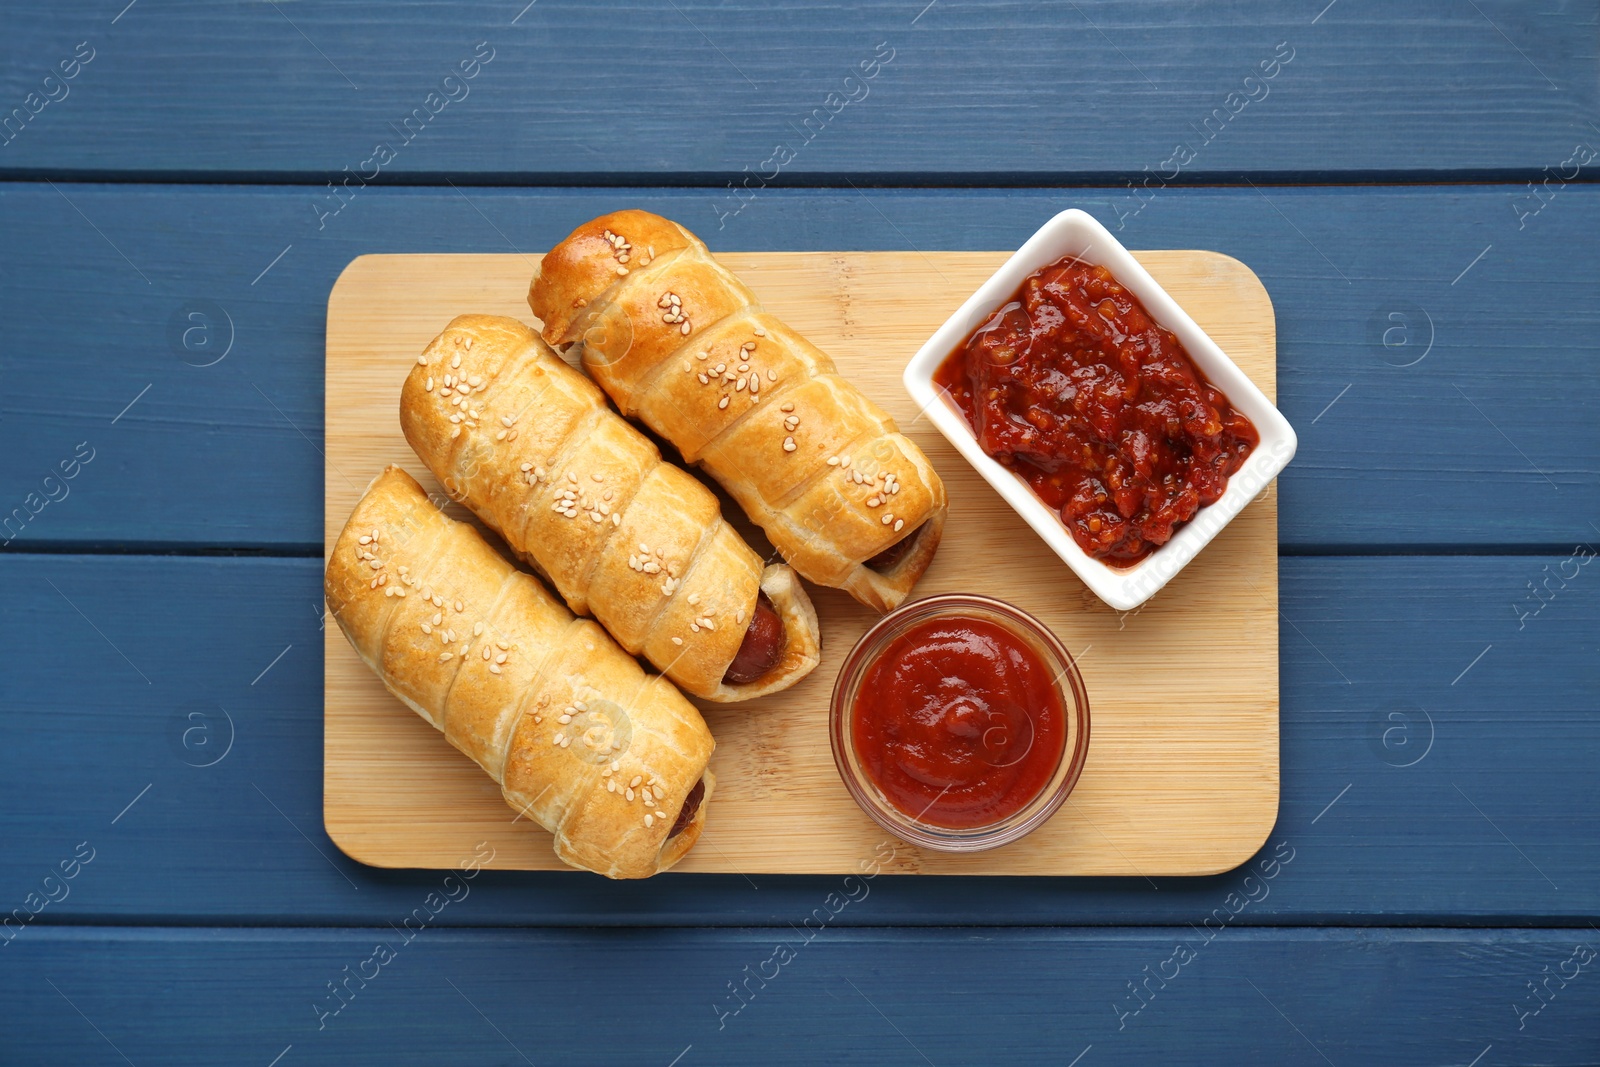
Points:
[[531, 446], [678, 342], [608, 759]]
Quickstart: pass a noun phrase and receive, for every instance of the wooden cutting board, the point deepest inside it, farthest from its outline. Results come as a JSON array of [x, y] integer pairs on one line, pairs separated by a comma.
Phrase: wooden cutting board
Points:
[[1182, 771]]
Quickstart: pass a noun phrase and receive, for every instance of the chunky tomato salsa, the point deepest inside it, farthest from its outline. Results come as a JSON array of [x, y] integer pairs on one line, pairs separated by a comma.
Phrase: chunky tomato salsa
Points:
[[1075, 388]]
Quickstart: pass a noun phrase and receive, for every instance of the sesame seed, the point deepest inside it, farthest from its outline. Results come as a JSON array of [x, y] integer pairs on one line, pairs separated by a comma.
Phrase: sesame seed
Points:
[[648, 819], [759, 332], [458, 606], [677, 640], [573, 478], [628, 793], [446, 657], [788, 444], [622, 271], [898, 523], [787, 407], [772, 375], [873, 501], [455, 431], [888, 517], [833, 461], [428, 386], [455, 361], [469, 344], [634, 784], [722, 403], [616, 518], [486, 652], [493, 669], [502, 646], [366, 539]]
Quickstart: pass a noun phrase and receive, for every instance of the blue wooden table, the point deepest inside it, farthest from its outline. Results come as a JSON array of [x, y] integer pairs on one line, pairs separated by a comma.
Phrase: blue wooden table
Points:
[[181, 182]]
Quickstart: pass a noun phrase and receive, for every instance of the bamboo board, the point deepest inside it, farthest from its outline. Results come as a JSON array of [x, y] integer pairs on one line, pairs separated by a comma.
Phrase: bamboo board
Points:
[[1182, 770]]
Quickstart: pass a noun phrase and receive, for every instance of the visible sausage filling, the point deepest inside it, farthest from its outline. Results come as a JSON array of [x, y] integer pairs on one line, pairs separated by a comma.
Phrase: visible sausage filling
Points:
[[762, 646], [885, 561], [691, 805]]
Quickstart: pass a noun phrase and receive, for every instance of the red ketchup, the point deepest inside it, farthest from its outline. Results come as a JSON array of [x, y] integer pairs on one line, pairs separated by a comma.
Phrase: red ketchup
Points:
[[959, 723], [1076, 389]]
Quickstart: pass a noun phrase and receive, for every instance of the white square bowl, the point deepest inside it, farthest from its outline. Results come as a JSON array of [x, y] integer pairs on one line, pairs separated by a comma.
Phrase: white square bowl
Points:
[[1076, 233]]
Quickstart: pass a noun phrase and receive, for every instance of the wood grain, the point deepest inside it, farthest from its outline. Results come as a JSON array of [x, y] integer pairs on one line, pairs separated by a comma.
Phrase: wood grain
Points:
[[992, 92], [1361, 637], [1182, 774], [1391, 997], [228, 455]]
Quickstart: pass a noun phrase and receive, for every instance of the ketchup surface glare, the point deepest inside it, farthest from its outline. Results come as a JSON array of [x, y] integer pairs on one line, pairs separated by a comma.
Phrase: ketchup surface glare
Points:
[[959, 723], [1076, 389]]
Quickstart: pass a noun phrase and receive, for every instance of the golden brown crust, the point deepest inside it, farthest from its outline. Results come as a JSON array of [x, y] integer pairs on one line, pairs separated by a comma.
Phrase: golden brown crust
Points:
[[593, 258], [484, 654], [685, 347], [531, 447]]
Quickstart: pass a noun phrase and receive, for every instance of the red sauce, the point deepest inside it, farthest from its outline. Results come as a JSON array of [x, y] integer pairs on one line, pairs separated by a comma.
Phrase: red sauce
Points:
[[959, 723], [1075, 388]]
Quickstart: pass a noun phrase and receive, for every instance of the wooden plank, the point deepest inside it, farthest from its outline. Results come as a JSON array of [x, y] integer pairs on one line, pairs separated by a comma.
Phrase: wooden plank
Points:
[[1512, 730], [1191, 789], [1011, 90], [228, 454], [1288, 996]]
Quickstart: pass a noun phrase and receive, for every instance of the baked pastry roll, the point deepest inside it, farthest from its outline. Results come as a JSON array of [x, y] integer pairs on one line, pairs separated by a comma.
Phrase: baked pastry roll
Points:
[[678, 342], [533, 449], [610, 760]]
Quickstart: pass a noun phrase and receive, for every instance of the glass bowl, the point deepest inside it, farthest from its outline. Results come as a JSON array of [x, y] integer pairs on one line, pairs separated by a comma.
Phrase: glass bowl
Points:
[[1068, 683]]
